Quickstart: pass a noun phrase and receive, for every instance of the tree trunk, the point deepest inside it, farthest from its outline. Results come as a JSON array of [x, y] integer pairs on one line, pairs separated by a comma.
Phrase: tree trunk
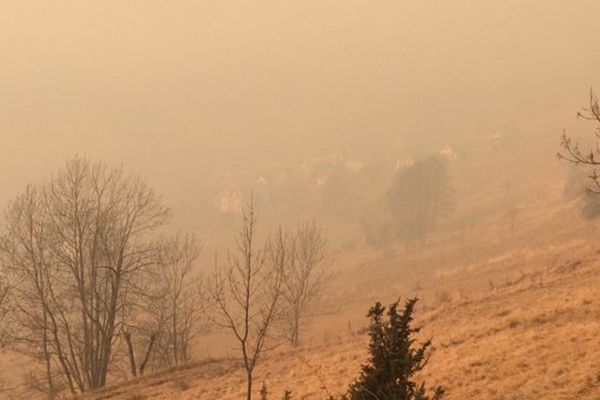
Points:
[[249, 387], [295, 329], [51, 390], [127, 337], [174, 333], [148, 353]]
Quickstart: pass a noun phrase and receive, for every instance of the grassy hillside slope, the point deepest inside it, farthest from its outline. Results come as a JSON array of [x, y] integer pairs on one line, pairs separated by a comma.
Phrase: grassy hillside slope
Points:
[[533, 336]]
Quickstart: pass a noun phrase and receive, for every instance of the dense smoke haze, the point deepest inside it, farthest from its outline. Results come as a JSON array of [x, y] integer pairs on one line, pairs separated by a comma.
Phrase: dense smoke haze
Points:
[[177, 91], [309, 199]]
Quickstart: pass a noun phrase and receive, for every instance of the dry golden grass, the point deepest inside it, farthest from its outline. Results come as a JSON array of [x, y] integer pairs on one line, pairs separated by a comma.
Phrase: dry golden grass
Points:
[[535, 335]]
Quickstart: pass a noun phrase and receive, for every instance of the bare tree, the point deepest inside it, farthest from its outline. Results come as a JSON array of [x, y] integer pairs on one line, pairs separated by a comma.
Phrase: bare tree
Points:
[[178, 301], [245, 293], [305, 277], [591, 157], [74, 248]]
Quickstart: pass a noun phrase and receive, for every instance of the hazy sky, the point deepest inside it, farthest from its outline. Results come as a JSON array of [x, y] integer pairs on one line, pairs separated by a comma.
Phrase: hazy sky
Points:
[[177, 88]]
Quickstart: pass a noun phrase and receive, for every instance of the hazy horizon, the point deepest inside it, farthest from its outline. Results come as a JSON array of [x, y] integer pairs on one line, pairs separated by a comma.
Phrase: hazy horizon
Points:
[[178, 91]]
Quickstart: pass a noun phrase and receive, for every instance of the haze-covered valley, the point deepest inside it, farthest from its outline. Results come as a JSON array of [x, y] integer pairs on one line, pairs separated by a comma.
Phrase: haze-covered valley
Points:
[[392, 150]]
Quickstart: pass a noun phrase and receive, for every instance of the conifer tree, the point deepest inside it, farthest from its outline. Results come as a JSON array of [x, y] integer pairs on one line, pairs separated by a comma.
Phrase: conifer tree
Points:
[[394, 358]]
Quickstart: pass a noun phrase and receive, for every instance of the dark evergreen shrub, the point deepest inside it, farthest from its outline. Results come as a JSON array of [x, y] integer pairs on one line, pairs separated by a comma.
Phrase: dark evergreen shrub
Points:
[[394, 358]]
